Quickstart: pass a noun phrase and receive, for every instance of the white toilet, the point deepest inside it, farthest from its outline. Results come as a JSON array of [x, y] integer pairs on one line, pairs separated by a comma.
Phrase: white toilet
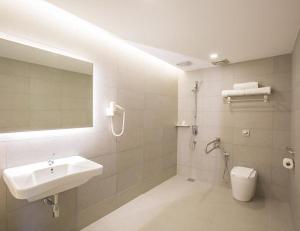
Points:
[[243, 183]]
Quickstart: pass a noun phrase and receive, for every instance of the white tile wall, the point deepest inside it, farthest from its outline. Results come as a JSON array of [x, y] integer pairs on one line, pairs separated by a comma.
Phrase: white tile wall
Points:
[[121, 73], [142, 158], [269, 124]]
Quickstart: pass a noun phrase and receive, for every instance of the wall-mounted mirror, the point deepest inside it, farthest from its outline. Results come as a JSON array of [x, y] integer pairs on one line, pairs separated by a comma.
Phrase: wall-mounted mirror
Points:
[[43, 90]]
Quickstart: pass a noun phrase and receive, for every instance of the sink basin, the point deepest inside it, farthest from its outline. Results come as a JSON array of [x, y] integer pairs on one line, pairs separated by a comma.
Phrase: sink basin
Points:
[[40, 180]]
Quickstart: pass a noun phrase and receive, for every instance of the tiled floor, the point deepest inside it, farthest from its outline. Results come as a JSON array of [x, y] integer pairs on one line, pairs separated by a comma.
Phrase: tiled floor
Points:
[[178, 204]]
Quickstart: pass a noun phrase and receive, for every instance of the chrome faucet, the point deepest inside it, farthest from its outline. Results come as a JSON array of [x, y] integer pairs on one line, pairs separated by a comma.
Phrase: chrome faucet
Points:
[[51, 160]]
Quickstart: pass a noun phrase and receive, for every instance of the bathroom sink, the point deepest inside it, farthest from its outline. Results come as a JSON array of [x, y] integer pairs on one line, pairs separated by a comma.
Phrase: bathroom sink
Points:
[[40, 180]]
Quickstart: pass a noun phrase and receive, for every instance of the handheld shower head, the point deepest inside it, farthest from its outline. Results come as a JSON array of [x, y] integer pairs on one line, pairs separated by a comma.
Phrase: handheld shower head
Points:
[[196, 88]]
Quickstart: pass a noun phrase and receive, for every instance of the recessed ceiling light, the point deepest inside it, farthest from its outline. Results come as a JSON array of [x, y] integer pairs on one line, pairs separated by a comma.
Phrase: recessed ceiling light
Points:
[[214, 56]]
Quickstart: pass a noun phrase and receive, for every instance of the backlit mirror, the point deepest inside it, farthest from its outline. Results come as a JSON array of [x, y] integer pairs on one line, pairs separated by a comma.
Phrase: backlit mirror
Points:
[[43, 90]]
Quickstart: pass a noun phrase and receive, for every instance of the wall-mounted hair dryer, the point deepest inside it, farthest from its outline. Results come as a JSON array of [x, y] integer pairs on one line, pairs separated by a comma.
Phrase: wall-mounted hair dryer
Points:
[[111, 111]]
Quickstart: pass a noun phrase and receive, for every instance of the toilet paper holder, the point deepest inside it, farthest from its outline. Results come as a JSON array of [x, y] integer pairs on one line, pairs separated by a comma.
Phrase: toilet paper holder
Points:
[[290, 151], [288, 163]]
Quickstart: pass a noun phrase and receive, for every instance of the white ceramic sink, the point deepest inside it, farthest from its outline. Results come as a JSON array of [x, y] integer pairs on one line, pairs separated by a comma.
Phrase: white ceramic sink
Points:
[[40, 180]]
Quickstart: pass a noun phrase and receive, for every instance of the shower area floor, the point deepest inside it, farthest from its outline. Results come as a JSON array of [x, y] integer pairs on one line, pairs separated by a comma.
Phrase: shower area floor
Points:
[[178, 204]]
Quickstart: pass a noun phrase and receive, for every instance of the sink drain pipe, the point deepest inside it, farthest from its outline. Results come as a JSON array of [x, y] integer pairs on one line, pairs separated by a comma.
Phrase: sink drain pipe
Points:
[[53, 202]]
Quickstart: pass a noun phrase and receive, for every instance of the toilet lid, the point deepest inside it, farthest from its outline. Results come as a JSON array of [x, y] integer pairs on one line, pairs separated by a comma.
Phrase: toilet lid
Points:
[[243, 172]]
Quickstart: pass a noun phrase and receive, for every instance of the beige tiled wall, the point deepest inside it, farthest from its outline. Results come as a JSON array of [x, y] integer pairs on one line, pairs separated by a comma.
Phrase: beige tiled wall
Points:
[[142, 158], [269, 124], [35, 97], [295, 139]]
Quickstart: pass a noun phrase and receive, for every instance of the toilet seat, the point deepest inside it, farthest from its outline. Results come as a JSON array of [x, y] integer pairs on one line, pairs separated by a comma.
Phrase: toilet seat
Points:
[[243, 172]]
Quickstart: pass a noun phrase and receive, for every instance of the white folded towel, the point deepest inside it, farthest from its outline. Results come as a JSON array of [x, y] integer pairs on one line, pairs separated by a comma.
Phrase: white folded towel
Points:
[[258, 91], [242, 86], [254, 91]]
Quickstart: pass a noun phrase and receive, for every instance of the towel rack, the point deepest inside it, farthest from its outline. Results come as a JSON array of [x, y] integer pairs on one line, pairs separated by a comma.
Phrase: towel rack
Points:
[[229, 99]]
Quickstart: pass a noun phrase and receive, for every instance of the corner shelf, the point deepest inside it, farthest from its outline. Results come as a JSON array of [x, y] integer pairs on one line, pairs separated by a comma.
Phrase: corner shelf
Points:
[[182, 126]]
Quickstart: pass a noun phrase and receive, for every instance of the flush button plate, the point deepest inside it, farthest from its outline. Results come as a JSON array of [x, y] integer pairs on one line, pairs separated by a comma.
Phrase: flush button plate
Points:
[[246, 132]]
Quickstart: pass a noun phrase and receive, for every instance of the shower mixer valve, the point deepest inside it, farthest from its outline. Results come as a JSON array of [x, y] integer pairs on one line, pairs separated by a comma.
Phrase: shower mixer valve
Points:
[[195, 130]]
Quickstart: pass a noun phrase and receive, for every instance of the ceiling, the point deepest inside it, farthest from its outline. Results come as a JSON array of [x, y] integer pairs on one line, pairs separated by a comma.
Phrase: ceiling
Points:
[[18, 51], [180, 30]]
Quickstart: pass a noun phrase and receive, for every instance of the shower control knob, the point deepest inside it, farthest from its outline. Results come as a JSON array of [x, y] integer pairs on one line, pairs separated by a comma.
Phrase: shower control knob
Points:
[[246, 132], [290, 151]]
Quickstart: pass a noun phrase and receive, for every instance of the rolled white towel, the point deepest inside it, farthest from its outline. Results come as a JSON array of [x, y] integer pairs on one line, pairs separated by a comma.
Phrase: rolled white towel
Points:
[[226, 93], [243, 86]]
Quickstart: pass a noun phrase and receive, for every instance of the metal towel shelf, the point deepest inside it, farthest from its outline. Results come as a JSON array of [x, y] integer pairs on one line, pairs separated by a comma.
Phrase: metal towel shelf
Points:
[[229, 99]]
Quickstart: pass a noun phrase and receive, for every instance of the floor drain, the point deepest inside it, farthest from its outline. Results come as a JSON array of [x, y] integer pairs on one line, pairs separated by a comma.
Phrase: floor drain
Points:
[[191, 179]]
